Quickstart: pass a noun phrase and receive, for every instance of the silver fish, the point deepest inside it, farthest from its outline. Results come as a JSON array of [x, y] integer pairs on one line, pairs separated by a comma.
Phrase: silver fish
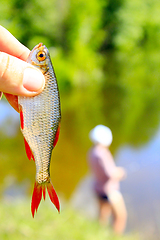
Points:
[[40, 122]]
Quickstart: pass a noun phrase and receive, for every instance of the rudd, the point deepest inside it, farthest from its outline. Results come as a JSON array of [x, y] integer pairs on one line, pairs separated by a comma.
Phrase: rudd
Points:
[[40, 122]]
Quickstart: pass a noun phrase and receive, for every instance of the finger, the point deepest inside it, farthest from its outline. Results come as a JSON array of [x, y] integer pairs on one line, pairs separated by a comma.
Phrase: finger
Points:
[[18, 77], [9, 44], [13, 100]]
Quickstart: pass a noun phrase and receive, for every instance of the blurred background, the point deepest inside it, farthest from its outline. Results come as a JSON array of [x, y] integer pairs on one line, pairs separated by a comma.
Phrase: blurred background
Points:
[[106, 56]]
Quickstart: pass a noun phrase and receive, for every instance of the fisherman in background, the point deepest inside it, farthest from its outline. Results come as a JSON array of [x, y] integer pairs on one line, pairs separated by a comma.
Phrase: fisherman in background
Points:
[[106, 179]]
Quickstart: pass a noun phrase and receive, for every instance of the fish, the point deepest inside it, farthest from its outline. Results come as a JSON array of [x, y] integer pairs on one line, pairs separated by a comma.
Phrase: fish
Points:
[[1, 95], [40, 118]]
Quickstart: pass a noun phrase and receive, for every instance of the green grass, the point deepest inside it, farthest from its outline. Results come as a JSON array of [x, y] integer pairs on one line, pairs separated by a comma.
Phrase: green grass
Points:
[[17, 223]]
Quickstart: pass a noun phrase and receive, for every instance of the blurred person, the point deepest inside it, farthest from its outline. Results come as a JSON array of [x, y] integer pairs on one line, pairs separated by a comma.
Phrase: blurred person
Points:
[[17, 77], [106, 179]]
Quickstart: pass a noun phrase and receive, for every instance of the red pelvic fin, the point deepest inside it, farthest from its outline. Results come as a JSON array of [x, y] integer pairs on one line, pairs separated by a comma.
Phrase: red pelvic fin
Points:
[[1, 93], [28, 150], [53, 196], [37, 196], [21, 119], [44, 192], [56, 136]]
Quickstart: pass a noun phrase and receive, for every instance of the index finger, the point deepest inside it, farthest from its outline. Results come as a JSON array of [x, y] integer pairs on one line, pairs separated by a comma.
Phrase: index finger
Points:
[[9, 44]]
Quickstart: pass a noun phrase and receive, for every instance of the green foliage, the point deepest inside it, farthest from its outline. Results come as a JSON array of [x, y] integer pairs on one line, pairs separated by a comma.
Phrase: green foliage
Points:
[[17, 223], [106, 58], [72, 28], [137, 55], [139, 25]]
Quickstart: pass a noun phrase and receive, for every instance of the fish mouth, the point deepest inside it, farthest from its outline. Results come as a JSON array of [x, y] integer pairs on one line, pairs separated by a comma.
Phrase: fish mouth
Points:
[[40, 47]]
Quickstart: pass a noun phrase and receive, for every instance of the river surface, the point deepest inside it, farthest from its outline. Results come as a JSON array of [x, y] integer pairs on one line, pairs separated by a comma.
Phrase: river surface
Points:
[[140, 189], [135, 147]]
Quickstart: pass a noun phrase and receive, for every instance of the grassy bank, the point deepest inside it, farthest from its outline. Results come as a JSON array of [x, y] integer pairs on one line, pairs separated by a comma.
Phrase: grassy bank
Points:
[[17, 223]]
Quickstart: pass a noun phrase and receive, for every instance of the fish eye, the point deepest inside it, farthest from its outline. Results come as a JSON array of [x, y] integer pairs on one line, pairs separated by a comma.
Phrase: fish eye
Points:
[[41, 56]]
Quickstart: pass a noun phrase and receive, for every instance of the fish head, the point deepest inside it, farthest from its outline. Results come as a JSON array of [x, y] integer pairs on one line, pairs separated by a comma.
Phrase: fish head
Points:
[[39, 57]]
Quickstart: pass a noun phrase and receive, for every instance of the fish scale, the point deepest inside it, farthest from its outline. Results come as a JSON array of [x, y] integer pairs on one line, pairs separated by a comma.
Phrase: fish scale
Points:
[[40, 119]]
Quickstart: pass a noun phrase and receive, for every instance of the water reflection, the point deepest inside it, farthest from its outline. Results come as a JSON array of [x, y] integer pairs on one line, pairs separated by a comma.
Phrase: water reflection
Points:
[[133, 117], [9, 120], [141, 189], [136, 159]]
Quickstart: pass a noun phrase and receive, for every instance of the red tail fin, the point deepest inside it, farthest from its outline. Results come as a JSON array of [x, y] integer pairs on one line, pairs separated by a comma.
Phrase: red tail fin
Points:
[[53, 196], [37, 196]]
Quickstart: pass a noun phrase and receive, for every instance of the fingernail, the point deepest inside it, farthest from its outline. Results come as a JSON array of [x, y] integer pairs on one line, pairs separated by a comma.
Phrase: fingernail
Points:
[[33, 80]]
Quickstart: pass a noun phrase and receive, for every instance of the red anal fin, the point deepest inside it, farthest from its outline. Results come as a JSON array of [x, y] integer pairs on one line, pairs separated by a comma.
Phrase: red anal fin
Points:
[[56, 136], [33, 157], [53, 196], [36, 198], [28, 150], [21, 119]]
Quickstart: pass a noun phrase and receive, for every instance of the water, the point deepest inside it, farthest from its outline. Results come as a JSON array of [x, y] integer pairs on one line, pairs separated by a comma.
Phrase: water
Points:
[[9, 120], [140, 189], [136, 138]]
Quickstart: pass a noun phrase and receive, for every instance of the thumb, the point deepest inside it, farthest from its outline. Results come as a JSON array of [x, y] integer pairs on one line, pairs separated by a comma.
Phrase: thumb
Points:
[[18, 77]]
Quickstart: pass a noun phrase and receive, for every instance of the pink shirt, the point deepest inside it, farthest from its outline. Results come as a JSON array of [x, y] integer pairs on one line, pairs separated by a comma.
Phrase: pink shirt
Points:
[[102, 166]]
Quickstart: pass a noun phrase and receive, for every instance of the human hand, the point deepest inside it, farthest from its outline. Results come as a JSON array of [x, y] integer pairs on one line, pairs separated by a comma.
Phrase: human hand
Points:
[[122, 173], [17, 77], [119, 173]]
